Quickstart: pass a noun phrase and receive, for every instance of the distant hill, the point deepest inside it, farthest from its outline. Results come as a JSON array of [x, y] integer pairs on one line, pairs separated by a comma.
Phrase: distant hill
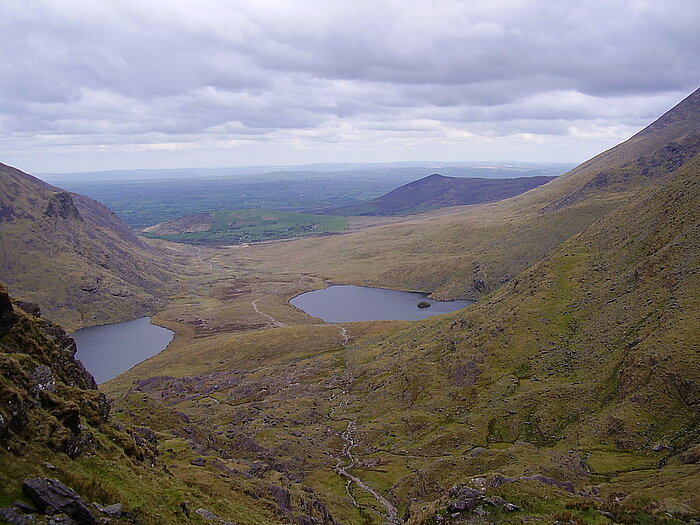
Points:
[[73, 255], [437, 191]]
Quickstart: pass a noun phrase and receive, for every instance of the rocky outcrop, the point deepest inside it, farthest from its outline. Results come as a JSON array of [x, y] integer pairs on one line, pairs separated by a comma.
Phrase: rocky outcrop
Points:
[[7, 314], [467, 500], [50, 496], [61, 205]]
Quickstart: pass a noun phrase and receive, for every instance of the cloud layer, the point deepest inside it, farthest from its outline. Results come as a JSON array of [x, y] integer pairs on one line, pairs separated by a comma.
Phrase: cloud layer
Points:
[[104, 84]]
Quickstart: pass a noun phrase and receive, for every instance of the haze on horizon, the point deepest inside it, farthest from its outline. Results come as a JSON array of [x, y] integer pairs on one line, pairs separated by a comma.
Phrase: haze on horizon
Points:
[[99, 85]]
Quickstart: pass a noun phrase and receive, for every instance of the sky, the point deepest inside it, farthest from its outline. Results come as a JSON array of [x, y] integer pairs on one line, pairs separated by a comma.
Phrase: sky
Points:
[[126, 84]]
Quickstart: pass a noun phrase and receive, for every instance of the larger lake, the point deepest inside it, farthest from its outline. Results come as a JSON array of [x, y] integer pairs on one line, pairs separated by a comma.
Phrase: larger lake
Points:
[[108, 350], [344, 303]]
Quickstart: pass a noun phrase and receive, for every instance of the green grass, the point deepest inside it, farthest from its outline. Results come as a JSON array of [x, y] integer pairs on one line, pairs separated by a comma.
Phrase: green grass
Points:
[[243, 226]]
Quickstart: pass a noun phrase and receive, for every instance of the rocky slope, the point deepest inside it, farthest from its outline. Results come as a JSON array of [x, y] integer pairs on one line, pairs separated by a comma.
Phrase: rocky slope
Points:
[[62, 447], [437, 191], [74, 256]]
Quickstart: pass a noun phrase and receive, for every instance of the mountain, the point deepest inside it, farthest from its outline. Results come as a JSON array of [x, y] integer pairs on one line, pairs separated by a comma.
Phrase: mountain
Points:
[[74, 256], [436, 191], [473, 251], [568, 393]]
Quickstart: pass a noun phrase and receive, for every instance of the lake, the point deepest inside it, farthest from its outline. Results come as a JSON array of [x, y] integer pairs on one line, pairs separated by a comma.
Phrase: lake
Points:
[[344, 303], [108, 350]]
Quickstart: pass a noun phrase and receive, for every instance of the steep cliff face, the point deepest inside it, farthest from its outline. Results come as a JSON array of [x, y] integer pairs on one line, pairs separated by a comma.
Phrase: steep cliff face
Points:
[[47, 394], [74, 256]]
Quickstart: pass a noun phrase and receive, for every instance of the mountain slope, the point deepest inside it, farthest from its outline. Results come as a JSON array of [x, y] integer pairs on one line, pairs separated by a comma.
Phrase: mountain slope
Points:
[[590, 353], [470, 252], [436, 191], [570, 392], [73, 255]]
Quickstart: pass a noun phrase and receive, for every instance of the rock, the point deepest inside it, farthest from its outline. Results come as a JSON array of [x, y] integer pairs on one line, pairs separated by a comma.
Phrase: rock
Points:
[[30, 308], [61, 520], [114, 511], [49, 466], [211, 517], [7, 313], [61, 205], [25, 507], [510, 507], [461, 505], [499, 480], [495, 501], [15, 517], [282, 497], [566, 485], [50, 494], [424, 304], [463, 491], [144, 435], [198, 462], [42, 379]]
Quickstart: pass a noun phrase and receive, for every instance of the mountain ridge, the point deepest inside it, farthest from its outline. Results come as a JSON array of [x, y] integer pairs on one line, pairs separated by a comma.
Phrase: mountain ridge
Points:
[[438, 191]]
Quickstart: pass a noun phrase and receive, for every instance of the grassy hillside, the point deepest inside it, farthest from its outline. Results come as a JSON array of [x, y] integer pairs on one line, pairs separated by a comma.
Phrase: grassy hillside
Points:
[[243, 226], [436, 191], [570, 390]]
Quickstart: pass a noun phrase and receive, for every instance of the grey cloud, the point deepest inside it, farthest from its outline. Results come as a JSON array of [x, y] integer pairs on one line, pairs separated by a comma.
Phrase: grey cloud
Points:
[[209, 71]]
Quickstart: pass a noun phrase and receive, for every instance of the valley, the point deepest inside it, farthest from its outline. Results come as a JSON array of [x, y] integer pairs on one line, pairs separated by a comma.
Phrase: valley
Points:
[[567, 392]]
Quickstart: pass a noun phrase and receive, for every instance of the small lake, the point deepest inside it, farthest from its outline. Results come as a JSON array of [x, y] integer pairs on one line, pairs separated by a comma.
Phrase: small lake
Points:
[[108, 350], [344, 304]]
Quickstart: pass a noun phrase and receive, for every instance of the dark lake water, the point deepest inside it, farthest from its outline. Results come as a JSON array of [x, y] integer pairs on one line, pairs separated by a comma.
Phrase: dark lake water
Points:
[[342, 304], [108, 350]]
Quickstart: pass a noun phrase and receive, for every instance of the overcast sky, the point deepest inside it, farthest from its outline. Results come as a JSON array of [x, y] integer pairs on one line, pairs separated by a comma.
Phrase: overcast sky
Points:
[[89, 85]]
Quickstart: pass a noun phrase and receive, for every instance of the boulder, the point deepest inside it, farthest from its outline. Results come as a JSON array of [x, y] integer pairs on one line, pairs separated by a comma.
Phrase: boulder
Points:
[[47, 493], [7, 315], [462, 504], [424, 304], [30, 308]]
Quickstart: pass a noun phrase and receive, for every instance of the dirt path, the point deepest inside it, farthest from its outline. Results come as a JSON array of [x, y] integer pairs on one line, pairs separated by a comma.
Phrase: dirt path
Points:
[[274, 321]]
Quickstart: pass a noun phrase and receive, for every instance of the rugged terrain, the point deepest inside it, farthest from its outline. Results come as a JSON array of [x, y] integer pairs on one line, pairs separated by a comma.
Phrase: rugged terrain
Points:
[[56, 425], [437, 191], [569, 392], [74, 256]]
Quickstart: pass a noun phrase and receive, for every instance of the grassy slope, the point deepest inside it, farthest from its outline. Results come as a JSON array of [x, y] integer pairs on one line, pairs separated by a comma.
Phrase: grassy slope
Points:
[[594, 350], [583, 367], [576, 369]]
